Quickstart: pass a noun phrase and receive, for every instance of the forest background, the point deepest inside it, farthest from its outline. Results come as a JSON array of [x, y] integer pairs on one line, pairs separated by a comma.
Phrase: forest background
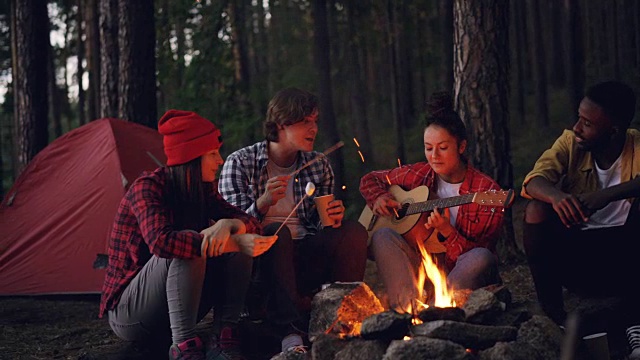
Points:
[[517, 71]]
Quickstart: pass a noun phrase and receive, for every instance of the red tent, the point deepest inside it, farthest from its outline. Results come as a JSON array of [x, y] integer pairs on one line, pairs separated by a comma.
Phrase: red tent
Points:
[[55, 221]]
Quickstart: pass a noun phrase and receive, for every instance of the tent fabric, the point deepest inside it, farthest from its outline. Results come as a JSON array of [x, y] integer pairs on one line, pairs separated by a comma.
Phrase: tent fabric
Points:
[[56, 219]]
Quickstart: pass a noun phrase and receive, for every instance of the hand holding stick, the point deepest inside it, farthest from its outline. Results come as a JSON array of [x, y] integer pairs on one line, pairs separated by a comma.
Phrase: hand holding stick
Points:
[[309, 190], [335, 147]]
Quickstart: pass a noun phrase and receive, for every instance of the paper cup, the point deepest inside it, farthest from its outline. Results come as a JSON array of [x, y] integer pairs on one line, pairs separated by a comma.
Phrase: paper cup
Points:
[[597, 346], [322, 203]]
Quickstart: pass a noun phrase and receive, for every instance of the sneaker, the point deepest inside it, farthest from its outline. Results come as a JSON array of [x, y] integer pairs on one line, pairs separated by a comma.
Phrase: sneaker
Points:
[[191, 349], [293, 343], [226, 346], [633, 335]]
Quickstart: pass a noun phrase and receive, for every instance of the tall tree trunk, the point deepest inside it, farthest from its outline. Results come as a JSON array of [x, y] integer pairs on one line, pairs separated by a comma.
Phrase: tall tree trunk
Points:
[[574, 57], [237, 14], [137, 62], [80, 56], [31, 27], [54, 92], [394, 81], [92, 50], [557, 70], [481, 74], [519, 44], [321, 56], [446, 13], [109, 55], [360, 125], [538, 60]]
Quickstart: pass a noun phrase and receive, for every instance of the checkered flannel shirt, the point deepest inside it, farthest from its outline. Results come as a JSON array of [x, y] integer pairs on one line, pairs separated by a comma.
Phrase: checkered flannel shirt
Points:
[[476, 226], [244, 177], [143, 227]]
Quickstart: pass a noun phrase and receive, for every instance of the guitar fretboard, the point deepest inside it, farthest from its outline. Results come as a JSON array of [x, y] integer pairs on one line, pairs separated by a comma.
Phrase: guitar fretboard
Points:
[[429, 205]]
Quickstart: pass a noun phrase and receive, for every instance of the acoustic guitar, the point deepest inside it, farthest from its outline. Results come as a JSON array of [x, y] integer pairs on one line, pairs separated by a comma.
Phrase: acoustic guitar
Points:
[[410, 218]]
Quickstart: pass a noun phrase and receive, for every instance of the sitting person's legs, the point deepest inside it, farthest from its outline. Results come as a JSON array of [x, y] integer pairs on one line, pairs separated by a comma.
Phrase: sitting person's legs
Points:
[[397, 264], [543, 248], [474, 269], [162, 299]]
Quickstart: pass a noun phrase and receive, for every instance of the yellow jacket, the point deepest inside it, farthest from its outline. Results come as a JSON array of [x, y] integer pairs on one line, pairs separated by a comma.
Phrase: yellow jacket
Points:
[[565, 164]]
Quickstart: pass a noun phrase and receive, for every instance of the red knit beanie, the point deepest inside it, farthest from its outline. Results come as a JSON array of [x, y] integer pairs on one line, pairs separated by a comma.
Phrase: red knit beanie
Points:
[[187, 136]]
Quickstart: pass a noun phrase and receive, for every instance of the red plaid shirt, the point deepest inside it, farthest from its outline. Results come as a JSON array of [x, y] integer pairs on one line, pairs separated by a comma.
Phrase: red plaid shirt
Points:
[[143, 227], [476, 226]]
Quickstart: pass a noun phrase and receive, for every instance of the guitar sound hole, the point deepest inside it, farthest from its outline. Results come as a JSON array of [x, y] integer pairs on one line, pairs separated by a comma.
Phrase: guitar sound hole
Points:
[[402, 211]]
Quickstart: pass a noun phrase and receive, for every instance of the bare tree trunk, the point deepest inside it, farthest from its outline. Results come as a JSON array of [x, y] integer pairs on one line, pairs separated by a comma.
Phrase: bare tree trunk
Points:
[[137, 62], [237, 14], [519, 43], [31, 27], [360, 125], [574, 57], [446, 13], [481, 74], [109, 55], [92, 49], [557, 71], [54, 93], [394, 81], [321, 56], [538, 59], [80, 55]]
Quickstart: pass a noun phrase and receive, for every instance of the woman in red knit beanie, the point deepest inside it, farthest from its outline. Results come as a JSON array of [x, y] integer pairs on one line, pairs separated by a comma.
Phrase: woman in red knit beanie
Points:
[[177, 248]]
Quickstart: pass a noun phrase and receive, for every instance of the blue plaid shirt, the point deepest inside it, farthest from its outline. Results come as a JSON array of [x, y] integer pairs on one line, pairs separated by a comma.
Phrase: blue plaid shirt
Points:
[[244, 177]]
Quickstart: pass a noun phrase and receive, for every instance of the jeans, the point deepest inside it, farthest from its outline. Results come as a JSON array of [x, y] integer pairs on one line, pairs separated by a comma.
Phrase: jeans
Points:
[[168, 297]]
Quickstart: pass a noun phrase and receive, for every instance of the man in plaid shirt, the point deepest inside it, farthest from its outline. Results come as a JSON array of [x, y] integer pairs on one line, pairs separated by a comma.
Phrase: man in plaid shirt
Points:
[[257, 179], [177, 247], [467, 233]]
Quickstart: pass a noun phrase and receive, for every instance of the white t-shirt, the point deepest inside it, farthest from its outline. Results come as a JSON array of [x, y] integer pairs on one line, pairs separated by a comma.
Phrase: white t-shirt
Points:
[[447, 190], [616, 212], [282, 209]]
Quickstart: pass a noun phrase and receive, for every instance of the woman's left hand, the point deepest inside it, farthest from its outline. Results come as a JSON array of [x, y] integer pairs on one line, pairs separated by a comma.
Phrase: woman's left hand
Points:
[[217, 235], [440, 222], [336, 212]]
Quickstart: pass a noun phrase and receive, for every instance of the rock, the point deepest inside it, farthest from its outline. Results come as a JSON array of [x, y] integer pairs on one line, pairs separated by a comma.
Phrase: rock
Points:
[[436, 313], [508, 351], [470, 336], [360, 349], [541, 333], [341, 308], [425, 349], [388, 325], [481, 306], [325, 347]]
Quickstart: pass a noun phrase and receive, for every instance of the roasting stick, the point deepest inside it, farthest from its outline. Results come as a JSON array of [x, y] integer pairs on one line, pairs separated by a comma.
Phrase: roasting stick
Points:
[[335, 147]]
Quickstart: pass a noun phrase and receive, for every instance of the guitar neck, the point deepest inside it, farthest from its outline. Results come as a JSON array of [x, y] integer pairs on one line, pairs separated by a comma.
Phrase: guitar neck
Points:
[[429, 205]]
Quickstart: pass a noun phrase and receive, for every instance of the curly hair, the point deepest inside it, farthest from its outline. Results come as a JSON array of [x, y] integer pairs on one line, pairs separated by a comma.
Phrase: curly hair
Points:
[[616, 99], [288, 106]]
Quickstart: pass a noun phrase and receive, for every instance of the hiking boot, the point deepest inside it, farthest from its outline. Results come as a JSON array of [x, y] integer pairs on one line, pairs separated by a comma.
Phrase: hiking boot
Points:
[[226, 346], [633, 335], [191, 349]]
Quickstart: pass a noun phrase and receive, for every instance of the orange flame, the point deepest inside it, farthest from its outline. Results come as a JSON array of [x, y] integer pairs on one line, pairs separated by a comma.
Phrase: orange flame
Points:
[[356, 141], [361, 156], [344, 187], [443, 295]]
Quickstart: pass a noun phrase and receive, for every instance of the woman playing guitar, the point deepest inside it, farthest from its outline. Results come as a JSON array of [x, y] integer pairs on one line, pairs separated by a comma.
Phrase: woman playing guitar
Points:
[[467, 233]]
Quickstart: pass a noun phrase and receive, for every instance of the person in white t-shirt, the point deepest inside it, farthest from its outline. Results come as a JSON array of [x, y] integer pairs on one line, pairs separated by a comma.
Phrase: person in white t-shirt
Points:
[[581, 226]]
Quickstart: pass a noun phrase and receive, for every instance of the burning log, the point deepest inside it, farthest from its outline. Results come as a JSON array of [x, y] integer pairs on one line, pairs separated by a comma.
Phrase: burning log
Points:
[[435, 313], [340, 309]]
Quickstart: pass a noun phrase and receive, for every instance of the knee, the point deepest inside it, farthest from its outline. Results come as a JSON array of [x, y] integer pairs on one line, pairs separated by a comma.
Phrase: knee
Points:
[[355, 234], [382, 239], [484, 258], [536, 212]]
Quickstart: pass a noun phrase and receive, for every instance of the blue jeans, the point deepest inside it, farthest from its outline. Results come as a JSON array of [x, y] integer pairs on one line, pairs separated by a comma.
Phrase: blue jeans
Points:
[[398, 264]]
